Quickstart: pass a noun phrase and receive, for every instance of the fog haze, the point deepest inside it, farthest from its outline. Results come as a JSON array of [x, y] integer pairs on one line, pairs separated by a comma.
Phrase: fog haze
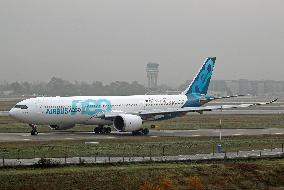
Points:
[[112, 40]]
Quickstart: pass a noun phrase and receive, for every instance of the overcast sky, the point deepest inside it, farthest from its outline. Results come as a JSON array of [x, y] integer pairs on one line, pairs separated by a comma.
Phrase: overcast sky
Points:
[[111, 40]]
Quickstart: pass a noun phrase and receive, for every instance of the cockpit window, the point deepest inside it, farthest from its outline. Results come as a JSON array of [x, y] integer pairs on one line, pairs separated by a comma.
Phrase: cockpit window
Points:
[[23, 107]]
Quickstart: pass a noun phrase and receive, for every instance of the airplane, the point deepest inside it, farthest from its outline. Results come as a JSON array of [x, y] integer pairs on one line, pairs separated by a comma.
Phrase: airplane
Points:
[[124, 113]]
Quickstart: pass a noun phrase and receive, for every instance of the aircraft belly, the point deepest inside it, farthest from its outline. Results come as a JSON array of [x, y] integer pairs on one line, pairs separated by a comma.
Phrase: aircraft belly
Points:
[[97, 121]]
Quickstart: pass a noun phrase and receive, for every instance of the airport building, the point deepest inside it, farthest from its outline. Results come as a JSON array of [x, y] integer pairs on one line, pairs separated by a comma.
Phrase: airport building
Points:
[[244, 86], [152, 70]]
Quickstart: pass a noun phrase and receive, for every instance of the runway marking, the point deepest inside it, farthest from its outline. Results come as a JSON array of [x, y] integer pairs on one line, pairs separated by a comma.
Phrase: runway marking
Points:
[[91, 142], [277, 133], [236, 134], [196, 135], [154, 136], [25, 135], [27, 139]]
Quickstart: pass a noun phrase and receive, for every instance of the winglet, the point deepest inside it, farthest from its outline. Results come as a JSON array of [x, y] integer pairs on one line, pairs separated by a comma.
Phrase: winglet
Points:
[[275, 100]]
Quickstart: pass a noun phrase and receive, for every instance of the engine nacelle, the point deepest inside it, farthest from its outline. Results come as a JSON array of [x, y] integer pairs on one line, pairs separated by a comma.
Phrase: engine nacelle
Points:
[[127, 122], [62, 126]]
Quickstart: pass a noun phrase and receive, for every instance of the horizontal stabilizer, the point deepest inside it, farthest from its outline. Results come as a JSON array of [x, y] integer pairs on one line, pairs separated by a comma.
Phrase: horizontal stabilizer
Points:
[[225, 97]]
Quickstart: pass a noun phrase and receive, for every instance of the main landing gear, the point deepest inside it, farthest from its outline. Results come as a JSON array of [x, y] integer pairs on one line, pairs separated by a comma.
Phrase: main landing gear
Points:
[[102, 130], [144, 131], [34, 129]]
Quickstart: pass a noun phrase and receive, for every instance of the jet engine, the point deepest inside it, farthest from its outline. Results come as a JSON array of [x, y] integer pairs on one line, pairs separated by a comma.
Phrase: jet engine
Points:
[[127, 122], [62, 126]]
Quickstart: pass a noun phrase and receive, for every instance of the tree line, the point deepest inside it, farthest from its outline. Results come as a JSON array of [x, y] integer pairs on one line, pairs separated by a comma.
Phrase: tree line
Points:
[[60, 87]]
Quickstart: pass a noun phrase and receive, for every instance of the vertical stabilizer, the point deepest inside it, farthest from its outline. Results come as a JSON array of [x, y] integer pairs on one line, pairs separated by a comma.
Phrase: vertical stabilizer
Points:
[[200, 83]]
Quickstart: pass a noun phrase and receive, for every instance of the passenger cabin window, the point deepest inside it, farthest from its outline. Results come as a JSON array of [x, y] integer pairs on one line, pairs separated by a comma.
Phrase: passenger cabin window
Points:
[[23, 107]]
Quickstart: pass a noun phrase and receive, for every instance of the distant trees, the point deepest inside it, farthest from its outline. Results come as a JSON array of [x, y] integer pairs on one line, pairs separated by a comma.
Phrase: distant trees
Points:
[[16, 87], [60, 87]]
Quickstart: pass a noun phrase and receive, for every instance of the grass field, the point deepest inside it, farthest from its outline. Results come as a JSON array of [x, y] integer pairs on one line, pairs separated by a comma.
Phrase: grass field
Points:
[[261, 174], [136, 146], [8, 104], [196, 121]]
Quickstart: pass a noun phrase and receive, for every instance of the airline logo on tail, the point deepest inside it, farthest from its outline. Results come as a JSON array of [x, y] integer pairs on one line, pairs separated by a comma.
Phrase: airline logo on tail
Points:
[[200, 83]]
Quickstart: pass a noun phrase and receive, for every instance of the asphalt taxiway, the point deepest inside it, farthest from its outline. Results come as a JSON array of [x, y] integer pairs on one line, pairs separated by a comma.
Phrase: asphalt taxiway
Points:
[[66, 135], [4, 113]]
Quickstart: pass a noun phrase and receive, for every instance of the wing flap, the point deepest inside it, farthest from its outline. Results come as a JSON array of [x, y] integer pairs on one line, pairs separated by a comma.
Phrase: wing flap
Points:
[[203, 108], [225, 97]]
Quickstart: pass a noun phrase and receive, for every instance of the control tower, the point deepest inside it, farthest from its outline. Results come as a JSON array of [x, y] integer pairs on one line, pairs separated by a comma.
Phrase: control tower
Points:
[[152, 75]]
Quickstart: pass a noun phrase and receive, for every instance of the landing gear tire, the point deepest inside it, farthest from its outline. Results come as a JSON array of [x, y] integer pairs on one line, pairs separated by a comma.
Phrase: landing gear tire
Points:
[[34, 132], [34, 129], [96, 130], [108, 130], [144, 131], [136, 133], [102, 130]]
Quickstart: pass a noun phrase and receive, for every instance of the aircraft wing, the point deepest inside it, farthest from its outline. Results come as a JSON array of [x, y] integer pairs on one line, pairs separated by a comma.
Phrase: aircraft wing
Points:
[[224, 97], [179, 111], [201, 109]]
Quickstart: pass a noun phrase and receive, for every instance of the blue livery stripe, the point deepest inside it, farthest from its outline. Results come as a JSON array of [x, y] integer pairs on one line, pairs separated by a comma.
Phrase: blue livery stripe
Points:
[[201, 82]]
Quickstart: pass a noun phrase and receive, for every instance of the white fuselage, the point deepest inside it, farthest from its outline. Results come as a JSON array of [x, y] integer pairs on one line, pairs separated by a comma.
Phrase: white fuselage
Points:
[[84, 109]]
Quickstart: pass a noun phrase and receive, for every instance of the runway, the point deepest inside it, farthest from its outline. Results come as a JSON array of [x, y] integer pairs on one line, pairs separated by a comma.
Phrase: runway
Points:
[[4, 113], [10, 137]]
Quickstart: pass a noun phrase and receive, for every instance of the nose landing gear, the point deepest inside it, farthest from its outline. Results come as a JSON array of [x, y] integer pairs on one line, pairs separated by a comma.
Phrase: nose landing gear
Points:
[[34, 129]]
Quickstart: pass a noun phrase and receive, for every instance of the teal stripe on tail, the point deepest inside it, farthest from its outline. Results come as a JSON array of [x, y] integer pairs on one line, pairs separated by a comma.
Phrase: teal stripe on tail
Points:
[[200, 83]]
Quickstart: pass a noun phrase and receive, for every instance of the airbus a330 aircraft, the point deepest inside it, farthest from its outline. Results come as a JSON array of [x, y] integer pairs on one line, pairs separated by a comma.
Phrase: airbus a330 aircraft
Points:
[[124, 113]]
